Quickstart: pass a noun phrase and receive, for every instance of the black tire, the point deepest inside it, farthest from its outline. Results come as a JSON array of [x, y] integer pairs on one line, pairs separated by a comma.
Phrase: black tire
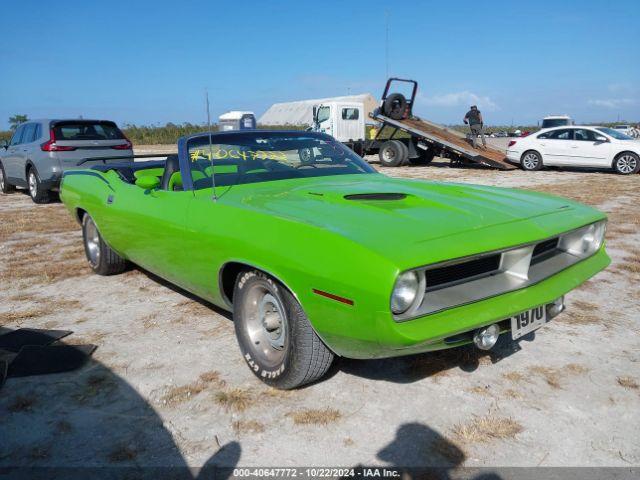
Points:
[[4, 186], [299, 356], [395, 106], [102, 259], [37, 192], [531, 161], [626, 163], [306, 155], [391, 154], [425, 157], [405, 152]]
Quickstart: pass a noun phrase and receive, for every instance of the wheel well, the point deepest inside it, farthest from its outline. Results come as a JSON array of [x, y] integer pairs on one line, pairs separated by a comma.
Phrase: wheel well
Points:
[[80, 215], [227, 278], [229, 274], [623, 152], [28, 167]]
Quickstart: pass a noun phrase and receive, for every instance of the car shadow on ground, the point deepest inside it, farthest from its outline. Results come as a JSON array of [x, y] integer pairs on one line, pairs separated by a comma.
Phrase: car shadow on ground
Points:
[[165, 283], [91, 418], [431, 364]]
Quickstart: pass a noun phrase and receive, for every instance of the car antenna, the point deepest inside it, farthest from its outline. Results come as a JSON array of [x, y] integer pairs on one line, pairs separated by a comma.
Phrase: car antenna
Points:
[[213, 177]]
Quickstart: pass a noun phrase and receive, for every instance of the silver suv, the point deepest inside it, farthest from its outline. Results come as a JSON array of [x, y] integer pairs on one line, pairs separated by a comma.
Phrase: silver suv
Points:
[[40, 150]]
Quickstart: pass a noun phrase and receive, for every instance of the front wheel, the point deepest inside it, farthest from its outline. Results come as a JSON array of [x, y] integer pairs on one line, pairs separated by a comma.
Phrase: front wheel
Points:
[[37, 191], [274, 334], [102, 259], [626, 163], [4, 186], [531, 161], [392, 153]]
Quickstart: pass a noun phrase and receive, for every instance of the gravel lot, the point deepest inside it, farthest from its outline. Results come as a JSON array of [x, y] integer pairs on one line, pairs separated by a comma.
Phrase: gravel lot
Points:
[[167, 385]]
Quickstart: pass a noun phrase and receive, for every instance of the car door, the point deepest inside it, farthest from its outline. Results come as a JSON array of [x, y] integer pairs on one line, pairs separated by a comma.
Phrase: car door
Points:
[[554, 146], [588, 149], [11, 156], [147, 226], [25, 152]]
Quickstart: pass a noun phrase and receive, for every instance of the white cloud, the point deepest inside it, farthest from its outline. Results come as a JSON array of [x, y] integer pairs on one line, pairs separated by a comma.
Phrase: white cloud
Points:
[[614, 102], [620, 88], [458, 99]]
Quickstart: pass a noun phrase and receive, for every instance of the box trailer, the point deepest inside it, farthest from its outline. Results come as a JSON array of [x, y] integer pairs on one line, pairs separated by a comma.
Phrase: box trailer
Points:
[[236, 120]]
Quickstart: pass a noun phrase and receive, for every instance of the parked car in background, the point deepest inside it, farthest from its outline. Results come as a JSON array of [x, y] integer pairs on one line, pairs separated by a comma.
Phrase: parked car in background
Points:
[[626, 129], [578, 146], [557, 121], [40, 150]]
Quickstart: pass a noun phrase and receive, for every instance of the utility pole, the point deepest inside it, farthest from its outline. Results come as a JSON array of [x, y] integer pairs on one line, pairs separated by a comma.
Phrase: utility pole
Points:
[[386, 44]]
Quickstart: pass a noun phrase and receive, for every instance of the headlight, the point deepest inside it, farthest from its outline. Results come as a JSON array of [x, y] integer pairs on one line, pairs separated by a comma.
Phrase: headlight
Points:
[[407, 291], [585, 241]]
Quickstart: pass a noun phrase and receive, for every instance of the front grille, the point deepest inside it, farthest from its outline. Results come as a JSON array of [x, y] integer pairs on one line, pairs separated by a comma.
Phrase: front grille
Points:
[[543, 250], [462, 272]]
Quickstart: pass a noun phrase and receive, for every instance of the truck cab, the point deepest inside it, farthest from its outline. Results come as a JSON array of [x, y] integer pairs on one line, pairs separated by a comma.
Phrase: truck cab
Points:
[[342, 120]]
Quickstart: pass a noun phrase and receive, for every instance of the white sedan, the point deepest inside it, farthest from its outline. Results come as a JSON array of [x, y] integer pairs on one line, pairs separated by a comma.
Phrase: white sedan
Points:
[[577, 146]]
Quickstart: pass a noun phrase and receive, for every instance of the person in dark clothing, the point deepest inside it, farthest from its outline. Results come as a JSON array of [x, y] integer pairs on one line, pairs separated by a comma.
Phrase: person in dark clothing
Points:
[[474, 119]]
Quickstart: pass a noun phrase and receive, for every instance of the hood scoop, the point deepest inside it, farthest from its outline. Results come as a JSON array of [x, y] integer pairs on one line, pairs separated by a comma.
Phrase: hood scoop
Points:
[[376, 196]]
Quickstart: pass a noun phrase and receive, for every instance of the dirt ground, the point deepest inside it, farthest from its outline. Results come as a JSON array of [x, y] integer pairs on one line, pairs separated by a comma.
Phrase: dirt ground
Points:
[[167, 384]]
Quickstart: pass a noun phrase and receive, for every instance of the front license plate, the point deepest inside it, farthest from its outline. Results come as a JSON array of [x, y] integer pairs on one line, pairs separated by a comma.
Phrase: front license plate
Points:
[[528, 321]]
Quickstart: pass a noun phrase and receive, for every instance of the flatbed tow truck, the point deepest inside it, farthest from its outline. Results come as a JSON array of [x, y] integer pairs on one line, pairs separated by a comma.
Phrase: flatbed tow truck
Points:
[[402, 137]]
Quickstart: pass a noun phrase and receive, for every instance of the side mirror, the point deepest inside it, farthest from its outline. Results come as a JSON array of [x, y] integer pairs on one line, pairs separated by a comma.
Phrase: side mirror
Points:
[[4, 144], [148, 182], [600, 138]]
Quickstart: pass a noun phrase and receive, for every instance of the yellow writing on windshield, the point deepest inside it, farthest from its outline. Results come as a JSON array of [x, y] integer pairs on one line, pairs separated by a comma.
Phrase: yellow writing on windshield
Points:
[[222, 154]]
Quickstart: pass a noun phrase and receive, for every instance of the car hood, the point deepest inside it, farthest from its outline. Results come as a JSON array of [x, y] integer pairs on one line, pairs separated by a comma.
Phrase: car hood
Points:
[[387, 214]]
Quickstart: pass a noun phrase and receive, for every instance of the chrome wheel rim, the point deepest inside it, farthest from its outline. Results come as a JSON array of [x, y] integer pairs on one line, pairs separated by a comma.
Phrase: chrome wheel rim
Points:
[[266, 324], [92, 239], [33, 184], [1, 179], [388, 154], [627, 163], [530, 161]]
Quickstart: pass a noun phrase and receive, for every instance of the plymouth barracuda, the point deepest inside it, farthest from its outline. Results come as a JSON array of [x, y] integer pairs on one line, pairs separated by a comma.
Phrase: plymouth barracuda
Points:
[[318, 255]]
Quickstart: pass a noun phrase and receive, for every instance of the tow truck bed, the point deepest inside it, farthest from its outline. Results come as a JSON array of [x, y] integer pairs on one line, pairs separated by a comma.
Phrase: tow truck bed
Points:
[[450, 141]]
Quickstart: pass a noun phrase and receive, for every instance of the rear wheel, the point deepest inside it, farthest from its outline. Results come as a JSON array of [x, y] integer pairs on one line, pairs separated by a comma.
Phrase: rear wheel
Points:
[[405, 152], [4, 186], [531, 161], [37, 191], [626, 163], [425, 157], [102, 259], [391, 153], [274, 334]]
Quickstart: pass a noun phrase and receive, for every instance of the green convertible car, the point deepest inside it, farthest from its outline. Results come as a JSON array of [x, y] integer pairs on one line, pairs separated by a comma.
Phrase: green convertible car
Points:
[[317, 255]]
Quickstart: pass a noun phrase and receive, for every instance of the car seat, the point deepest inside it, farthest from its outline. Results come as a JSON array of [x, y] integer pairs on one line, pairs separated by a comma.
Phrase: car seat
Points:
[[171, 176]]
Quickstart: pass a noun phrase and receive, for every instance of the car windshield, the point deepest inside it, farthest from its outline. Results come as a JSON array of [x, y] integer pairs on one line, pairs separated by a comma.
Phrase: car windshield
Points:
[[614, 133], [251, 157]]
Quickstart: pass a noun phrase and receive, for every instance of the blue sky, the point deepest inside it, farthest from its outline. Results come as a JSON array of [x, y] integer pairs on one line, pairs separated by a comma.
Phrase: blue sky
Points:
[[148, 62]]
